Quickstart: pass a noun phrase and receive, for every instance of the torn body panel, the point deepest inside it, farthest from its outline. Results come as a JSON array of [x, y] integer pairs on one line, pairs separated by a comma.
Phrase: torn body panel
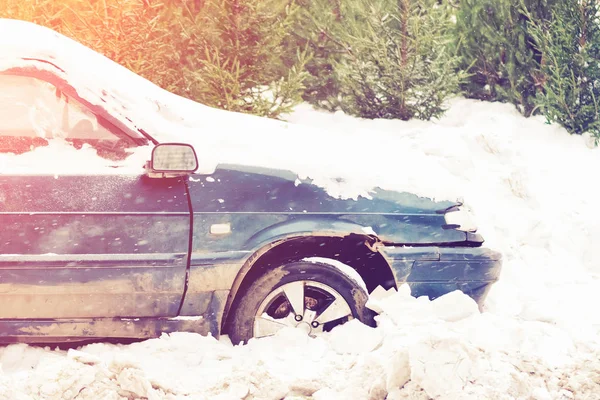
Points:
[[87, 286], [261, 206], [239, 213]]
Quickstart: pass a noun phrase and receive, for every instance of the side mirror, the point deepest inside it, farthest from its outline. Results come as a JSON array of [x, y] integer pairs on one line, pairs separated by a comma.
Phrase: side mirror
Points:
[[172, 159]]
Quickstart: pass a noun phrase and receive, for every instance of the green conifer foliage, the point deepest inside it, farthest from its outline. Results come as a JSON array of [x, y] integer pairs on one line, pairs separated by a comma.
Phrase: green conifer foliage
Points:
[[569, 74], [314, 25], [397, 61], [482, 45], [498, 51], [240, 56]]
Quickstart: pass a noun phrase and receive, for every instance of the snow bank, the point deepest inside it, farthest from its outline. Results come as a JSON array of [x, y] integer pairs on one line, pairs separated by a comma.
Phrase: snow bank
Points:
[[532, 189], [413, 353]]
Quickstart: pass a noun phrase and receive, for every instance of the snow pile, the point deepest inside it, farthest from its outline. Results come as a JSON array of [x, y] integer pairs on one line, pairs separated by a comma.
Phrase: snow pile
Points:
[[421, 349]]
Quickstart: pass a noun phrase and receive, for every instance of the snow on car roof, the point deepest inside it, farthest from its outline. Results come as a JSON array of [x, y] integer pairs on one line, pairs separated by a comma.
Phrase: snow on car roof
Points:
[[112, 86], [97, 79]]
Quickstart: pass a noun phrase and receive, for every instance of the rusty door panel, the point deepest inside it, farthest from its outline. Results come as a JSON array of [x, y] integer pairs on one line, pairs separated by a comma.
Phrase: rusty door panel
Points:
[[44, 330], [49, 330], [92, 246], [101, 234], [83, 286]]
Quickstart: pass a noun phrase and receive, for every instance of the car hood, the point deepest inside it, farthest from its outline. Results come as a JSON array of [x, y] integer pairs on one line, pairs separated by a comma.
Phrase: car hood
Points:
[[284, 203], [239, 188]]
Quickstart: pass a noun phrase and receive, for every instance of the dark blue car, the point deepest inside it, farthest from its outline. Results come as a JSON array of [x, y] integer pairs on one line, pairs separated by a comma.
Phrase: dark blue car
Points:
[[241, 250]]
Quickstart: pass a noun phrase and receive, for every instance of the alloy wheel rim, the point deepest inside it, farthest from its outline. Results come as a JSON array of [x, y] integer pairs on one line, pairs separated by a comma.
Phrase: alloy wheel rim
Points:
[[310, 306]]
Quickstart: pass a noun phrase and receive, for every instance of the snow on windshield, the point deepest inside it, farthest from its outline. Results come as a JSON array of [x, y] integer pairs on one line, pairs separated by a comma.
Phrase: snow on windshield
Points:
[[41, 128], [61, 158]]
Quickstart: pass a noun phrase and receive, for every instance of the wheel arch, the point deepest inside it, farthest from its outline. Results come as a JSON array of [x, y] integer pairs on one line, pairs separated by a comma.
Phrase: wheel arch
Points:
[[351, 248]]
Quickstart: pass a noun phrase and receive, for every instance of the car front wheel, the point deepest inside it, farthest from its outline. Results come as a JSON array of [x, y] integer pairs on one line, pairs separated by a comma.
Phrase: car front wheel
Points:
[[311, 296]]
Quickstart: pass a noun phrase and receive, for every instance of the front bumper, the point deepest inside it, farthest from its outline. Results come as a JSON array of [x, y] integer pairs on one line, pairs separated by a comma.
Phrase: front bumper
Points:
[[434, 271]]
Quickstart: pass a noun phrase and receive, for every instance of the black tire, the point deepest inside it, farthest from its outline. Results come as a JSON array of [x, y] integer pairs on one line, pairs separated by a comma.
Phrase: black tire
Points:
[[241, 327]]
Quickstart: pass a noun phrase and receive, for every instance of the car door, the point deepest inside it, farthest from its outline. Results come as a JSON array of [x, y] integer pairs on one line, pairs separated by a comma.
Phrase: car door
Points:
[[82, 235]]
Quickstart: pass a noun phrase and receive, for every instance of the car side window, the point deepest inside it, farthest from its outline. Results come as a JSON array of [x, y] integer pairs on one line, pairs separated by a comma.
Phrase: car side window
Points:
[[33, 111]]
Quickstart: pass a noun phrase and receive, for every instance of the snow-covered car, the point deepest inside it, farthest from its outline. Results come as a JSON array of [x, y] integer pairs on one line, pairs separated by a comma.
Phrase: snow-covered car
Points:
[[110, 230]]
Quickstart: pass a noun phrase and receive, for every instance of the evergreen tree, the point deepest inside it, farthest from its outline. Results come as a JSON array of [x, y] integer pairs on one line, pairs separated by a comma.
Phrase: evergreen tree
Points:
[[498, 51], [240, 53], [482, 46], [396, 61], [570, 69], [314, 25]]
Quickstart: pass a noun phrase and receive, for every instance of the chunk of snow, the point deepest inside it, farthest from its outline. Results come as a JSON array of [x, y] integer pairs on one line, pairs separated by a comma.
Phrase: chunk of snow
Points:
[[454, 306], [355, 338], [397, 369], [378, 295], [83, 357], [442, 366]]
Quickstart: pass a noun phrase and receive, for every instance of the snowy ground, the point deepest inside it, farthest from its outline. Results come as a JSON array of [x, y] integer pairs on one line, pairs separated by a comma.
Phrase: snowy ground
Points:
[[534, 191]]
